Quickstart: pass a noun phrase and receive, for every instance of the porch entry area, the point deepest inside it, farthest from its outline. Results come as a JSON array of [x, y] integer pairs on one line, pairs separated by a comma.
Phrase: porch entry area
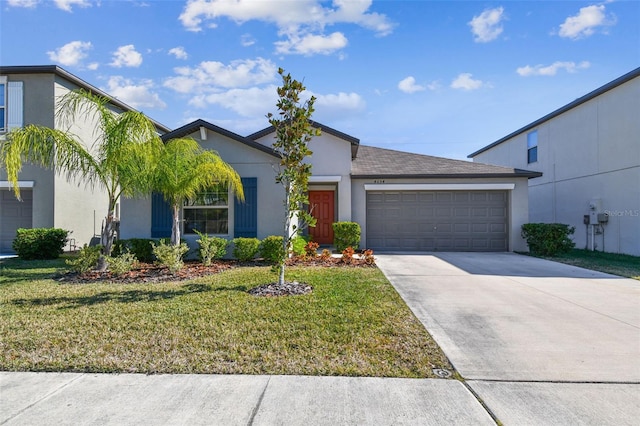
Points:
[[322, 206]]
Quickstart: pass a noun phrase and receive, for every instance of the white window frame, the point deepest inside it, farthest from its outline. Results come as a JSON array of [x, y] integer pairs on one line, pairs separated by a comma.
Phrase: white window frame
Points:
[[3, 107], [532, 145], [190, 205]]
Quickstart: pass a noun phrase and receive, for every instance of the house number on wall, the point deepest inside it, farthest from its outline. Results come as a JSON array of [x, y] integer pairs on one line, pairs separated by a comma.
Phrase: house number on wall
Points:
[[378, 181]]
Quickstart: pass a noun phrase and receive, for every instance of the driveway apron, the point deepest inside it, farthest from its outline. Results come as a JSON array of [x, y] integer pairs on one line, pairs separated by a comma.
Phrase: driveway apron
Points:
[[528, 332]]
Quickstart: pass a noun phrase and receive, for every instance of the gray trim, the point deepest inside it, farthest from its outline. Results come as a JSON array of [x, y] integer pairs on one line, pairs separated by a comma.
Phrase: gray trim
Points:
[[54, 69], [194, 126], [599, 91]]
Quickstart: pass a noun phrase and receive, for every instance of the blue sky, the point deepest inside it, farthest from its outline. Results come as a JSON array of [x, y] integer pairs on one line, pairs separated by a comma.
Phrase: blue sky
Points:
[[442, 78]]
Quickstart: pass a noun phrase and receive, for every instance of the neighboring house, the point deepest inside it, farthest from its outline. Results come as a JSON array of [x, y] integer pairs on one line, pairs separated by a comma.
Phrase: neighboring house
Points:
[[589, 154], [402, 201], [28, 95]]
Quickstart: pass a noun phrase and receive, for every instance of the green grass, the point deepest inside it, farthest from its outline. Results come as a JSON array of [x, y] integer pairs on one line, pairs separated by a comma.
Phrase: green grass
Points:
[[623, 265], [353, 324]]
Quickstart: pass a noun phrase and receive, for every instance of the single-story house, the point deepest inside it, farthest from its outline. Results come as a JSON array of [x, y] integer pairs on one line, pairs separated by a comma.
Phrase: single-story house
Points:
[[589, 154]]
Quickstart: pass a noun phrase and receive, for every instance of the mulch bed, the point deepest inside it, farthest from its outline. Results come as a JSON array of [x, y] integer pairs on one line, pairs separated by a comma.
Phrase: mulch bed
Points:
[[151, 273]]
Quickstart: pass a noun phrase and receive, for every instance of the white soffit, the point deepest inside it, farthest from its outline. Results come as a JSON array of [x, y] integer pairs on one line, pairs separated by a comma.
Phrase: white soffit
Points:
[[320, 179], [21, 184], [438, 186]]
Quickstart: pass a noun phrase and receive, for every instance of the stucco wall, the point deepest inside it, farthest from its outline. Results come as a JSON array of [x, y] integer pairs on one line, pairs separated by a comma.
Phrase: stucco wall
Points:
[[518, 203], [591, 151]]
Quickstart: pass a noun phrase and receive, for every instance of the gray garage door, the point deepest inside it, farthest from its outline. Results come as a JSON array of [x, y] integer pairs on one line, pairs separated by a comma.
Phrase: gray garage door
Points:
[[437, 220], [14, 214]]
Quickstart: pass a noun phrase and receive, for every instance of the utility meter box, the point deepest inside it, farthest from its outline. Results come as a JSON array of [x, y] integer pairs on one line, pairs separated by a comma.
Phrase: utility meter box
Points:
[[595, 208]]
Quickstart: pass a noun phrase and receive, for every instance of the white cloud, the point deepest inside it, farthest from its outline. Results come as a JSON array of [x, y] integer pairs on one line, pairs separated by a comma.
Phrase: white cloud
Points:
[[300, 22], [138, 95], [552, 69], [126, 56], [251, 102], [338, 104], [465, 81], [71, 53], [93, 66], [213, 76], [23, 3], [586, 22], [67, 4], [487, 26], [310, 44], [179, 52], [408, 85], [247, 40]]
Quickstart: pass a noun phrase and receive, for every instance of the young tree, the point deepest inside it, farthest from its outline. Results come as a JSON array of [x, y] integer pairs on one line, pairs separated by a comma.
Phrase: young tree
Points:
[[293, 134], [184, 169], [119, 159]]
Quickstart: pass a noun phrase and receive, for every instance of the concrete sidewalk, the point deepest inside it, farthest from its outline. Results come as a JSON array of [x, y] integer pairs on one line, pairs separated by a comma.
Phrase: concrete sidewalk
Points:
[[135, 399]]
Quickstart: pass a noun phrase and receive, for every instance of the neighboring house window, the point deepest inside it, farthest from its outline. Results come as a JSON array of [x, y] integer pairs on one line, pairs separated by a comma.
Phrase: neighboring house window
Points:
[[532, 147], [208, 212], [11, 115]]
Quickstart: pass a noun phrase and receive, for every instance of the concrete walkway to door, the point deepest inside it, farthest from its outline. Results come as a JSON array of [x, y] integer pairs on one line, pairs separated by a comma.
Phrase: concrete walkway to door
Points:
[[531, 337]]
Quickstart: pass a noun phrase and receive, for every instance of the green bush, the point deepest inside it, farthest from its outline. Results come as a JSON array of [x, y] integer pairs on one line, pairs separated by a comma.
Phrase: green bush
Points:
[[122, 264], [245, 249], [548, 239], [271, 249], [211, 248], [86, 260], [298, 243], [346, 234], [141, 248], [40, 243], [169, 255]]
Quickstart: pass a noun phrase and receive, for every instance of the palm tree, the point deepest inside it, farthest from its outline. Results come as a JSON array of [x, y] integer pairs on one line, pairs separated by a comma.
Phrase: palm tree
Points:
[[120, 159], [185, 169]]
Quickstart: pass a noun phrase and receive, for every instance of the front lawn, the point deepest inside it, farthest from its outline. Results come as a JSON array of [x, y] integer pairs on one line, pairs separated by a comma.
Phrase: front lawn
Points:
[[623, 265], [353, 323]]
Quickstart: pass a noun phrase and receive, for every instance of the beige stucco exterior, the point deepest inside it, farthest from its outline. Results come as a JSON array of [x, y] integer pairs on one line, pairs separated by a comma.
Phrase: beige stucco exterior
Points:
[[588, 153]]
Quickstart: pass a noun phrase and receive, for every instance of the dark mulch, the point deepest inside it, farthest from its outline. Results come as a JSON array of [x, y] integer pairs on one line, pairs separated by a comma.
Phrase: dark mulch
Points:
[[286, 289]]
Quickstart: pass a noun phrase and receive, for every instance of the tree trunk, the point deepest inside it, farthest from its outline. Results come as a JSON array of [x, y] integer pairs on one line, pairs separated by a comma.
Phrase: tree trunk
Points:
[[285, 237], [106, 239], [175, 228]]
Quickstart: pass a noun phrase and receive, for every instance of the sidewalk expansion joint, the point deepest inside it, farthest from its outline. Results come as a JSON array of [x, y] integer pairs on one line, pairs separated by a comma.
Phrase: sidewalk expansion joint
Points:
[[259, 403], [481, 402]]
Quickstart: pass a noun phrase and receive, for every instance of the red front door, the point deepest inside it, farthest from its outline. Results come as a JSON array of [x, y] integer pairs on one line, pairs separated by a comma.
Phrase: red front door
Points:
[[322, 206]]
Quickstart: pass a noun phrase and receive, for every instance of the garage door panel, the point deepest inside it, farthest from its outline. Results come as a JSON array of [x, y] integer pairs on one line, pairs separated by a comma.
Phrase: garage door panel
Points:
[[14, 214], [437, 220]]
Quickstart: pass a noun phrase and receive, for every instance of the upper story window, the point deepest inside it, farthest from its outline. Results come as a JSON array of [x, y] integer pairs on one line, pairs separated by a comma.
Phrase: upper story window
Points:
[[208, 212], [532, 147], [11, 115]]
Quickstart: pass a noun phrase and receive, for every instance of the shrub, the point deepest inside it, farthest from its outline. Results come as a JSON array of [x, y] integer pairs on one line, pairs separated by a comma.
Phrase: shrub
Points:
[[311, 249], [271, 249], [86, 259], [298, 244], [326, 254], [122, 264], [548, 239], [347, 255], [40, 243], [368, 257], [211, 248], [169, 255], [245, 249], [141, 248], [346, 234]]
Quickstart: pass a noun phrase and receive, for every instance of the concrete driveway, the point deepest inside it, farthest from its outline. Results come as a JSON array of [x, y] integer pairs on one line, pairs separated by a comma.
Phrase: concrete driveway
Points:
[[522, 331]]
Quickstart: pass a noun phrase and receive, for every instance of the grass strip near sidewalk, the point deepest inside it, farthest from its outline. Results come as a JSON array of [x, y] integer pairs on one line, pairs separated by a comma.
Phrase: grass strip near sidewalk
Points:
[[354, 324], [623, 265]]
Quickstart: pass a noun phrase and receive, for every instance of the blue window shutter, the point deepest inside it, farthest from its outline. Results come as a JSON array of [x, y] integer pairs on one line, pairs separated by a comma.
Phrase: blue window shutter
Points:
[[14, 105], [245, 215], [161, 217]]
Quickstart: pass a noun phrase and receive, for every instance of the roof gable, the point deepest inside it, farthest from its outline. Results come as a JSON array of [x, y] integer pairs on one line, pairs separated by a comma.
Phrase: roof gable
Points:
[[195, 126], [375, 162]]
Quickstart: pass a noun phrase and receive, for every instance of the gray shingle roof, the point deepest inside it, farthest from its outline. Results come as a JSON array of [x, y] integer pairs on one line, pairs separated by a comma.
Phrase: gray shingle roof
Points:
[[373, 162]]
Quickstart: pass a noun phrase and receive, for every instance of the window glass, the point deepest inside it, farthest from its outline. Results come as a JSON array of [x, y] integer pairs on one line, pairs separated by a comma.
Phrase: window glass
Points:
[[207, 212], [532, 147], [3, 123]]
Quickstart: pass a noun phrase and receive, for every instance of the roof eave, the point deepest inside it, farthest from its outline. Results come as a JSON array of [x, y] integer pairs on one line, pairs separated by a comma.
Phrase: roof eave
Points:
[[448, 175]]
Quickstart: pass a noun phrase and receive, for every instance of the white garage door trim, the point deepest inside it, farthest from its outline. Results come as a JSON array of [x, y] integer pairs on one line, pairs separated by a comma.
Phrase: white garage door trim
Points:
[[438, 186], [21, 184]]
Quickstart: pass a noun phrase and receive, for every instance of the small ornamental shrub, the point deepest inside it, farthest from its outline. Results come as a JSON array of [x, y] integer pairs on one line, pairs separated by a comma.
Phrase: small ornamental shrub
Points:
[[245, 249], [297, 245], [40, 243], [169, 255], [311, 249], [120, 265], [548, 239], [367, 255], [86, 259], [271, 249], [346, 234], [141, 248], [211, 248], [347, 255], [326, 254]]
